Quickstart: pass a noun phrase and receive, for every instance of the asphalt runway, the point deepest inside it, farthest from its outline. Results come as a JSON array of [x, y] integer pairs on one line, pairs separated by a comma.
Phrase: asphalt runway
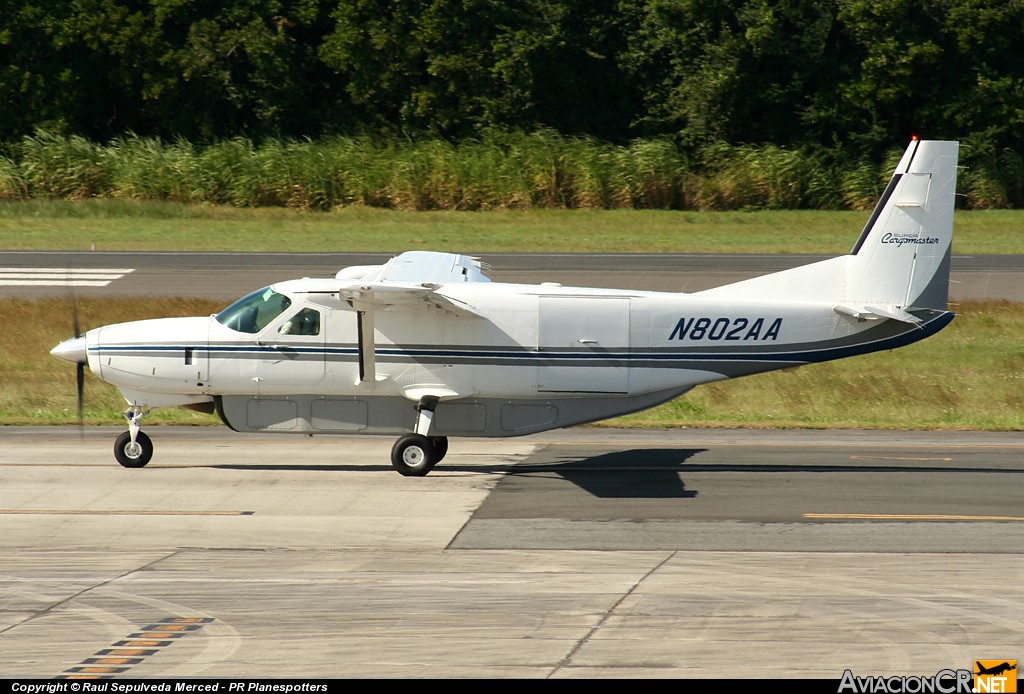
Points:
[[584, 553], [230, 275]]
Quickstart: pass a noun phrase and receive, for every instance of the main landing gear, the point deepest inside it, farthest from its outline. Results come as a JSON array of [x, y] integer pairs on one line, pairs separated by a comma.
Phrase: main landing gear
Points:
[[133, 448], [414, 455]]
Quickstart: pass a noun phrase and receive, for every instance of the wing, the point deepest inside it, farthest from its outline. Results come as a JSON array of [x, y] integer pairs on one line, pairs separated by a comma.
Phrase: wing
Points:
[[420, 267], [365, 296], [410, 281]]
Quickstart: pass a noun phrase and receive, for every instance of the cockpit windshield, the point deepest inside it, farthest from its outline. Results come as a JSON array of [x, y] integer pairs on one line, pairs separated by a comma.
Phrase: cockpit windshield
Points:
[[252, 313]]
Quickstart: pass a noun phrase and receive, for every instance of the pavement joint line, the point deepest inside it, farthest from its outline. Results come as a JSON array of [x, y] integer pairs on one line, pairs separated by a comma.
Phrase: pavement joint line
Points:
[[565, 661]]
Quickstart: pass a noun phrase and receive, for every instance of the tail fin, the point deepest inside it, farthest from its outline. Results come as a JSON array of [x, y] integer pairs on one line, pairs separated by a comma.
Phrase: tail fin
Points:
[[902, 256], [900, 261]]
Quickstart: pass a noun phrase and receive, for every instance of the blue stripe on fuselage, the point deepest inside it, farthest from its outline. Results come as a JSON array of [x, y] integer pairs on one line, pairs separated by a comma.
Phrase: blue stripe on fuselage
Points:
[[811, 353]]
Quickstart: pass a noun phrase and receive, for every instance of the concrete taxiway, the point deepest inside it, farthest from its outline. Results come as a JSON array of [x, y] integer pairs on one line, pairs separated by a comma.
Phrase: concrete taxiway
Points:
[[585, 553]]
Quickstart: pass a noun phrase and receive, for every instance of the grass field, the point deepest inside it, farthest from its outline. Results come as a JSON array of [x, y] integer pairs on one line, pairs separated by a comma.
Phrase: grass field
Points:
[[969, 376], [131, 225]]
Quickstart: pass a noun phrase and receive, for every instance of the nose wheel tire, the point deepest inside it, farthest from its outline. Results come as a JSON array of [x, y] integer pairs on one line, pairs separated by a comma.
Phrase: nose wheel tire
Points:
[[414, 455], [130, 455]]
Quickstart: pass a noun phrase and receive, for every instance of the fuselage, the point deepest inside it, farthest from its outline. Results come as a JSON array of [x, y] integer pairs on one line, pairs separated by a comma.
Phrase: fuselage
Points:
[[525, 341]]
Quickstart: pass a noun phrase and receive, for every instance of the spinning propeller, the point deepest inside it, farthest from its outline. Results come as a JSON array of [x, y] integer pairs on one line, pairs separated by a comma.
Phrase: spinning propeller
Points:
[[79, 365], [74, 351]]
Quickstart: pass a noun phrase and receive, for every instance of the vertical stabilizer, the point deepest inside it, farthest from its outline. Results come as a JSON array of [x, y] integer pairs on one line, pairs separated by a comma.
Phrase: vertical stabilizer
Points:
[[900, 261], [902, 256]]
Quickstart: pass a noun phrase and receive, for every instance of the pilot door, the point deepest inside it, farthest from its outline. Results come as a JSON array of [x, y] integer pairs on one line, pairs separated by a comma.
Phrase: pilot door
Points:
[[290, 355], [583, 344]]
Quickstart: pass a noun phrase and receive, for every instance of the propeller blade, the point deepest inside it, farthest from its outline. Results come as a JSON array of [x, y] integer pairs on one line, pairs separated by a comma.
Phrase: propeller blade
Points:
[[74, 317], [79, 365], [80, 384]]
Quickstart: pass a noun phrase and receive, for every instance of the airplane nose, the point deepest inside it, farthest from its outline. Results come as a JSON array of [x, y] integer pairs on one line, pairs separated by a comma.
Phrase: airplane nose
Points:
[[72, 350]]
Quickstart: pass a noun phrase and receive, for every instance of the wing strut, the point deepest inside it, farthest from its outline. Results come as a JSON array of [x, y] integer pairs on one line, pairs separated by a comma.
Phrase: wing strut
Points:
[[367, 355]]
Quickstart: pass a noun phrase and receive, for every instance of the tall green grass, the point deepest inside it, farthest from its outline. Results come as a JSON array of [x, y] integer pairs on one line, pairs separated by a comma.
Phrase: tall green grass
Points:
[[542, 169]]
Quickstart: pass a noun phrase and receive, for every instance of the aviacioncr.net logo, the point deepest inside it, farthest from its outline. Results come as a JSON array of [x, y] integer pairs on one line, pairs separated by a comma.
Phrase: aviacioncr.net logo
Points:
[[995, 676], [942, 682]]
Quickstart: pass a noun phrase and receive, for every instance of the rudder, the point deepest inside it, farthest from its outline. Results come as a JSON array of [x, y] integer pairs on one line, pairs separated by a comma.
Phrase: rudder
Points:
[[902, 256]]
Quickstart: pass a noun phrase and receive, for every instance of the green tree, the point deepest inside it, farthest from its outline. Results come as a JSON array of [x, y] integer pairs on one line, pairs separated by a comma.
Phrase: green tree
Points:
[[461, 67], [167, 67], [896, 70], [223, 69], [985, 40], [37, 76], [734, 70]]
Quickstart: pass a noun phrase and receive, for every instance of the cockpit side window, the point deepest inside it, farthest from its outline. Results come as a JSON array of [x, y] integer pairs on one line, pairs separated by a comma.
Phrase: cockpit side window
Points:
[[252, 313], [305, 322]]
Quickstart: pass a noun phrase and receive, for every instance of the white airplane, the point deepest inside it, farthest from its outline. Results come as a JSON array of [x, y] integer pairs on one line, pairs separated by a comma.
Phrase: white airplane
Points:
[[427, 347]]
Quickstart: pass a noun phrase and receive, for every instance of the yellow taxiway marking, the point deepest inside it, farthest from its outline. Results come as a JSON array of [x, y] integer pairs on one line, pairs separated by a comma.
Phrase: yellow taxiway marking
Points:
[[87, 512], [890, 457], [909, 516]]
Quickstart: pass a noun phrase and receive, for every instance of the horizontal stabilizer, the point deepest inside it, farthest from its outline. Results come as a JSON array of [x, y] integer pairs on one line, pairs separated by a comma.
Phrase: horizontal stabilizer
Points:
[[861, 312]]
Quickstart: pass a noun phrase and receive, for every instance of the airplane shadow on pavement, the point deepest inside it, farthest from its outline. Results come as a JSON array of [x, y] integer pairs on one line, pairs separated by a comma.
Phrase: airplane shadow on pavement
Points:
[[637, 473]]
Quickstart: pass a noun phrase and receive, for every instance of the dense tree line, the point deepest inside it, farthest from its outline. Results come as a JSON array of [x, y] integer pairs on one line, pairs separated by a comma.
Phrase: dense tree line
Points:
[[856, 76]]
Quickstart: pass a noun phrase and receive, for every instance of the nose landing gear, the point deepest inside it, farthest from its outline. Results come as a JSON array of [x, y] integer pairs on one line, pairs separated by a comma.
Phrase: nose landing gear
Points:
[[133, 448]]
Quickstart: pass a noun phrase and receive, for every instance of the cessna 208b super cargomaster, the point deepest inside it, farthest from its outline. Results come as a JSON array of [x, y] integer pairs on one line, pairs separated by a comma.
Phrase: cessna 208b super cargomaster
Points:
[[426, 347]]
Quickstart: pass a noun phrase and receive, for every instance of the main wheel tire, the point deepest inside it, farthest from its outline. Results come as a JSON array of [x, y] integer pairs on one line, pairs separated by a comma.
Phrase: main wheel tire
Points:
[[440, 447], [136, 456], [413, 455]]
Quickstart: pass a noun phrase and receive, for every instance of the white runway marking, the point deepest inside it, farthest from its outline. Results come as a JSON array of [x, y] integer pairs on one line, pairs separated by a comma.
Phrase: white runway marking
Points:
[[60, 277]]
